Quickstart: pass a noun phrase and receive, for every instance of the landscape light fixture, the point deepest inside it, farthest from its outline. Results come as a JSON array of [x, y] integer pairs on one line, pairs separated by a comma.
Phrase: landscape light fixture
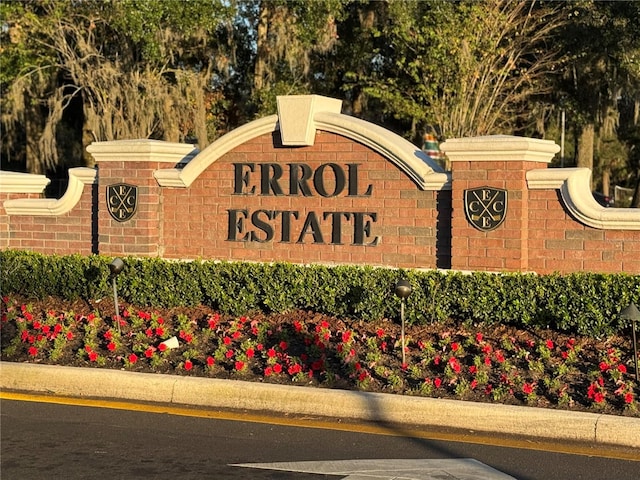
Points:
[[632, 313], [402, 290], [116, 267]]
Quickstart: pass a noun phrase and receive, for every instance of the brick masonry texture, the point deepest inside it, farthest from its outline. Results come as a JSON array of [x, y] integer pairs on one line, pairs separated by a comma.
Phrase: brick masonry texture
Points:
[[230, 213]]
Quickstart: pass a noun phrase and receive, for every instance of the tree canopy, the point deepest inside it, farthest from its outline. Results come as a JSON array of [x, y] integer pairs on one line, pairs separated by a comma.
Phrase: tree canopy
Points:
[[77, 71]]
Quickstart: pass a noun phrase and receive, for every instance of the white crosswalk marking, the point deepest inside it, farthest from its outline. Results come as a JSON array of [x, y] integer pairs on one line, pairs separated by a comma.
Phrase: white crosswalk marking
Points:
[[396, 469]]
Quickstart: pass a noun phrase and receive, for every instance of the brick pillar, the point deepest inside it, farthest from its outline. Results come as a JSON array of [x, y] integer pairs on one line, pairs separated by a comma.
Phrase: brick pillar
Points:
[[499, 163], [132, 163]]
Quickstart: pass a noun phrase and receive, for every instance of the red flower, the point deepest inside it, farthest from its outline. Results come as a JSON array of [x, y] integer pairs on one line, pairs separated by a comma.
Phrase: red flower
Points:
[[527, 388], [297, 325], [479, 337], [188, 365], [499, 357], [159, 331], [455, 346], [162, 347], [622, 368], [235, 335], [598, 397], [277, 368], [250, 352], [133, 358], [437, 382], [149, 332], [33, 351], [268, 371], [628, 398], [380, 333], [111, 346], [229, 353], [226, 340], [604, 366], [473, 369], [69, 335], [346, 336], [210, 361], [550, 344], [271, 353], [474, 384], [283, 345], [455, 365], [93, 356], [149, 352]]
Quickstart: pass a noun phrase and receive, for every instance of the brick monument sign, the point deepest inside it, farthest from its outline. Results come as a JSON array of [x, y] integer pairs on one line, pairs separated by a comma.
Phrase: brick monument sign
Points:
[[311, 185]]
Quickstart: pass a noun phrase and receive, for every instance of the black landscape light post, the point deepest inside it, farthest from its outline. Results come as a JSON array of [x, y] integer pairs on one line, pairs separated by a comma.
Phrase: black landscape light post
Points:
[[632, 313], [402, 290], [116, 267]]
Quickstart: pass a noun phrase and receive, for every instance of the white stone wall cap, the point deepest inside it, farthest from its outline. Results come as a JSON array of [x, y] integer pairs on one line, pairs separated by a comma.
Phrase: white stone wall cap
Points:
[[575, 189], [296, 114], [142, 150], [500, 148], [18, 182], [78, 178]]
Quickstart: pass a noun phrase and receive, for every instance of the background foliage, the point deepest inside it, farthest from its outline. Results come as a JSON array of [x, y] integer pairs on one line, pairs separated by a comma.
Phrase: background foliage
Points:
[[582, 303]]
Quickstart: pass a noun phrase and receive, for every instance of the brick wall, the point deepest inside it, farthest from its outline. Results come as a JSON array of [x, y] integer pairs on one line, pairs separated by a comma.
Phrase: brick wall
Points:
[[560, 243], [74, 231], [403, 220]]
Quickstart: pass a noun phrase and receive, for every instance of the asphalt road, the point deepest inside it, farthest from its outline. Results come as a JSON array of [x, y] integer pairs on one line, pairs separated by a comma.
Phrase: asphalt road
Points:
[[45, 440]]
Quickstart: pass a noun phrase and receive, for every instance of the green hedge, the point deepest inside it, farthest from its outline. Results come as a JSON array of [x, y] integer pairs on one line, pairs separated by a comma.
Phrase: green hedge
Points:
[[582, 303]]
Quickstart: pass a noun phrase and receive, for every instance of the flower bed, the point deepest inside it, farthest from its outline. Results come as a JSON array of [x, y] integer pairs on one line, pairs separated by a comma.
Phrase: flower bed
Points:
[[449, 360]]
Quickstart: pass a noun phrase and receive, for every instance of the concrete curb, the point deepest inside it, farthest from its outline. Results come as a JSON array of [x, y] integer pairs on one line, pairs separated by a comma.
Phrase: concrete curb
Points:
[[536, 423]]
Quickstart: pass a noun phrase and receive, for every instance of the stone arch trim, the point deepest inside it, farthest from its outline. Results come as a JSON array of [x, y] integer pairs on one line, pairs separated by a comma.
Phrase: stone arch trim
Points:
[[575, 190], [310, 113], [78, 178]]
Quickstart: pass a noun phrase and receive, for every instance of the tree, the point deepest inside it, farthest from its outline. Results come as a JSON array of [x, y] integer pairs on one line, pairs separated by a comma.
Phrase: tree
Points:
[[288, 35], [601, 84], [127, 80], [466, 68]]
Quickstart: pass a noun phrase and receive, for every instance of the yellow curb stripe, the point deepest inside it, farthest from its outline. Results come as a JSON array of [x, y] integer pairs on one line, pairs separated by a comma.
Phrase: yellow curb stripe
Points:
[[308, 422]]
